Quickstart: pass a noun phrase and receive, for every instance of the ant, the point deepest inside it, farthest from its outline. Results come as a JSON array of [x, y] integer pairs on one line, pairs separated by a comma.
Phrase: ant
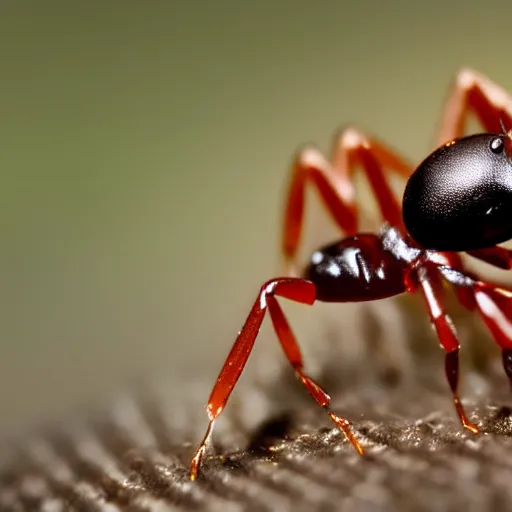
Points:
[[458, 200]]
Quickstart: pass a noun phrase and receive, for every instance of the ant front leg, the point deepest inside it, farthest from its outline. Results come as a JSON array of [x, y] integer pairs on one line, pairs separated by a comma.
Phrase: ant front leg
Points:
[[432, 290], [473, 92], [298, 290], [334, 183]]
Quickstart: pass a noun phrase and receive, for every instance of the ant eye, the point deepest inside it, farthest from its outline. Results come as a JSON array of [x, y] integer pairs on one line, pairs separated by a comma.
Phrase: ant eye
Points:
[[497, 145]]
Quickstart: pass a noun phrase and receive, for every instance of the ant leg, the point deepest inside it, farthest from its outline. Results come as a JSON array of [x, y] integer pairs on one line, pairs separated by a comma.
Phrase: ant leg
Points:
[[431, 286], [496, 256], [298, 290], [474, 92], [454, 261], [334, 183], [495, 307], [292, 351]]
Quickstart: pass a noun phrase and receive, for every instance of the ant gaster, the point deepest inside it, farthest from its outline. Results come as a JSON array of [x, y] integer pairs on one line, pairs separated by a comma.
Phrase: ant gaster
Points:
[[459, 199]]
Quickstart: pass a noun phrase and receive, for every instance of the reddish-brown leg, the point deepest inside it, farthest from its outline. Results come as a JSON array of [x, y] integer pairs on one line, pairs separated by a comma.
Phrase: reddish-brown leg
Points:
[[496, 256], [431, 286], [298, 290], [453, 260], [495, 307], [475, 93], [334, 183]]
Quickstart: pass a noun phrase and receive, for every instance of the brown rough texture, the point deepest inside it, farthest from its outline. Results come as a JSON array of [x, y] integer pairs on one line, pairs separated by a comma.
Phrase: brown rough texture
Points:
[[276, 451]]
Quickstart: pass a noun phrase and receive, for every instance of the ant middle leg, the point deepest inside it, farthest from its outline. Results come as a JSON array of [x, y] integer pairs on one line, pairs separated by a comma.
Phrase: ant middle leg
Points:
[[333, 180], [431, 287]]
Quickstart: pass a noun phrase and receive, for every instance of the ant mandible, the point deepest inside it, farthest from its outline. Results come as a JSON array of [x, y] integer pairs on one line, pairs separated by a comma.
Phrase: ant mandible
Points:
[[459, 199]]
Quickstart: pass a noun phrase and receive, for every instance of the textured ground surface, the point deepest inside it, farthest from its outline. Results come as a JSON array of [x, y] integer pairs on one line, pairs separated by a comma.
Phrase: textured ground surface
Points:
[[133, 455]]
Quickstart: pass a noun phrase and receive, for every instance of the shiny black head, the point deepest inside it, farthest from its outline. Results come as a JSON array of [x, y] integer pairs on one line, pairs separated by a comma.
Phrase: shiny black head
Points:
[[460, 197]]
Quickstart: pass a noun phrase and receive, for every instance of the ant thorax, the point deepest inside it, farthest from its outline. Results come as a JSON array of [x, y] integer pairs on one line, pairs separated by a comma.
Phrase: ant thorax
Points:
[[395, 243]]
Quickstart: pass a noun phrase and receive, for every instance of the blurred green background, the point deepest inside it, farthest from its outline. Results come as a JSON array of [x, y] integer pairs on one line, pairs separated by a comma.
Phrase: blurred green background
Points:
[[144, 149]]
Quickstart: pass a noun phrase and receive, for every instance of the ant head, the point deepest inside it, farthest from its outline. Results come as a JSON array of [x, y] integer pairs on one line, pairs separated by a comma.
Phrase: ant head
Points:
[[460, 197]]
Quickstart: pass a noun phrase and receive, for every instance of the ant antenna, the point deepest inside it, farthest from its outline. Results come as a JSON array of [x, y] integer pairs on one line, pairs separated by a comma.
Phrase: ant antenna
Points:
[[502, 124], [506, 133], [508, 138]]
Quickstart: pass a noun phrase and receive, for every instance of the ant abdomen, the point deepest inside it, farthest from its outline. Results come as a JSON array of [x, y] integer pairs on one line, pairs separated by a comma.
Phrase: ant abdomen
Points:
[[355, 269]]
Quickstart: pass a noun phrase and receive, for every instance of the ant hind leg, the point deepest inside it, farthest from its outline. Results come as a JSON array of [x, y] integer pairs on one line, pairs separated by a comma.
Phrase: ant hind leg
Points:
[[295, 289]]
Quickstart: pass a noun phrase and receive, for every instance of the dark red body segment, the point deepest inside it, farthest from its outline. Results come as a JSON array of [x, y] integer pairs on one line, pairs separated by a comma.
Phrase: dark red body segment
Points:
[[356, 269]]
